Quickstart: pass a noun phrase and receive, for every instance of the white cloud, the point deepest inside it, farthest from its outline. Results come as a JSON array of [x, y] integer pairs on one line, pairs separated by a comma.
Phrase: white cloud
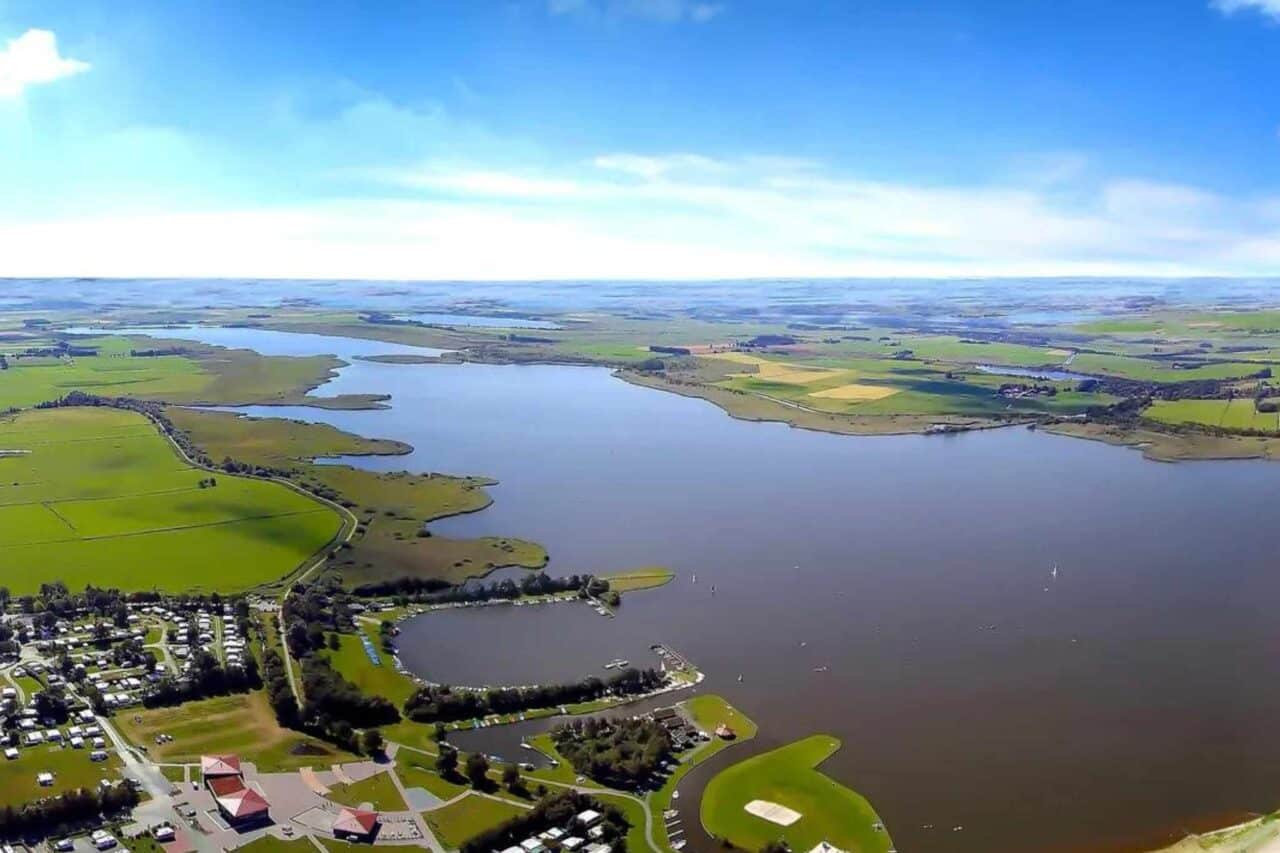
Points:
[[32, 58], [697, 11], [741, 217], [651, 167], [1269, 8]]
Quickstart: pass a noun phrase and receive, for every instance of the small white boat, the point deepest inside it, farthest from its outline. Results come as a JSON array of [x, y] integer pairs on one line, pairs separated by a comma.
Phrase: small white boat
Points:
[[739, 676]]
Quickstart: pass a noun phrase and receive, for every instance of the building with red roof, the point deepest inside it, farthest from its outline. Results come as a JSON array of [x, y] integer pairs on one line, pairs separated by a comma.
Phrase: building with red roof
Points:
[[355, 825], [239, 804], [219, 765]]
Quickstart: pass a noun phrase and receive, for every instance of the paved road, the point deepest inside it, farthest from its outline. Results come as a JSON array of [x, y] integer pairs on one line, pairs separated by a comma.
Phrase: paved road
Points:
[[428, 836], [144, 772]]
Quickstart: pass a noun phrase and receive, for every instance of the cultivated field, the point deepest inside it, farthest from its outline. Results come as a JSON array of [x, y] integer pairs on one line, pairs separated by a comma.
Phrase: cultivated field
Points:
[[101, 497], [787, 777], [1237, 414]]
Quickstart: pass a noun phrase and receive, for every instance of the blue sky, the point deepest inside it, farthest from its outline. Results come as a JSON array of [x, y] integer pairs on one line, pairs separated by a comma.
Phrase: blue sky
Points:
[[639, 138]]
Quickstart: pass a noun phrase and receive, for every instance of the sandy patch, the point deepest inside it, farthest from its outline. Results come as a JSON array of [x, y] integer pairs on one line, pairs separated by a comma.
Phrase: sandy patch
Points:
[[1063, 353], [772, 812], [855, 391]]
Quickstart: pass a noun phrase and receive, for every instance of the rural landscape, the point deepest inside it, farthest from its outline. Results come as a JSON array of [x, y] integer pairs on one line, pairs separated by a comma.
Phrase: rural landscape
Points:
[[639, 426], [235, 606]]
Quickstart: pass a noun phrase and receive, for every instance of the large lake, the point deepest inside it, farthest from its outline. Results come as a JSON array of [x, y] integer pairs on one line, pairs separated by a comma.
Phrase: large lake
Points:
[[1134, 696]]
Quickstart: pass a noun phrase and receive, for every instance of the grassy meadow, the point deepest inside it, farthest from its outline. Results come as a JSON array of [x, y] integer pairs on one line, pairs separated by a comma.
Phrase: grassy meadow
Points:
[[242, 724], [379, 790], [98, 495], [351, 661], [458, 822], [788, 776], [71, 769]]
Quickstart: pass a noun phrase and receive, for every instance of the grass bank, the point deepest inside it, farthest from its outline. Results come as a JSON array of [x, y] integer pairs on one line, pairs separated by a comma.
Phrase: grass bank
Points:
[[788, 777]]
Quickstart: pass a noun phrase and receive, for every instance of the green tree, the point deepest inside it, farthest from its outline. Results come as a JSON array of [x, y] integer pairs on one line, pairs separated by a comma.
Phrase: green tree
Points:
[[371, 741], [447, 762], [478, 771]]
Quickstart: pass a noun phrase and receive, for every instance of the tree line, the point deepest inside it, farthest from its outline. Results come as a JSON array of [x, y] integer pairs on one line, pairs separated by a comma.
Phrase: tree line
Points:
[[442, 703], [74, 809]]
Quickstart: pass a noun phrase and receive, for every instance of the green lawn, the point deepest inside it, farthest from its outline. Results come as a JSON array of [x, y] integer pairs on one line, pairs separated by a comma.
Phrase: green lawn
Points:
[[353, 663], [419, 771], [788, 776], [457, 823], [379, 789], [71, 769], [101, 495], [271, 844]]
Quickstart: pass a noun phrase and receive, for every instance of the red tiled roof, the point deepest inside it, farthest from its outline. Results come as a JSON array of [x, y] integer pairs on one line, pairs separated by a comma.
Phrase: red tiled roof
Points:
[[220, 765], [244, 803], [226, 786], [355, 821]]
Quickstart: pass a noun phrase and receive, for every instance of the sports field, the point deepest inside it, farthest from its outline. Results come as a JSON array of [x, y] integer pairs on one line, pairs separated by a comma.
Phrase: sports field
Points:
[[788, 778], [100, 496]]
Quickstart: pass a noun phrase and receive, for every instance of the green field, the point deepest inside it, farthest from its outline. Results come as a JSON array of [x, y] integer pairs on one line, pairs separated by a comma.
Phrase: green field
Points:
[[391, 506], [379, 790], [71, 769], [454, 824], [1153, 370], [709, 711], [419, 771], [788, 776], [351, 661], [99, 496], [112, 373], [201, 374], [1239, 413]]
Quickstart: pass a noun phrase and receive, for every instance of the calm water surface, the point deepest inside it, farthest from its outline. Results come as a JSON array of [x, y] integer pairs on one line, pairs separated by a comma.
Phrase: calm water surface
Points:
[[1133, 696]]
